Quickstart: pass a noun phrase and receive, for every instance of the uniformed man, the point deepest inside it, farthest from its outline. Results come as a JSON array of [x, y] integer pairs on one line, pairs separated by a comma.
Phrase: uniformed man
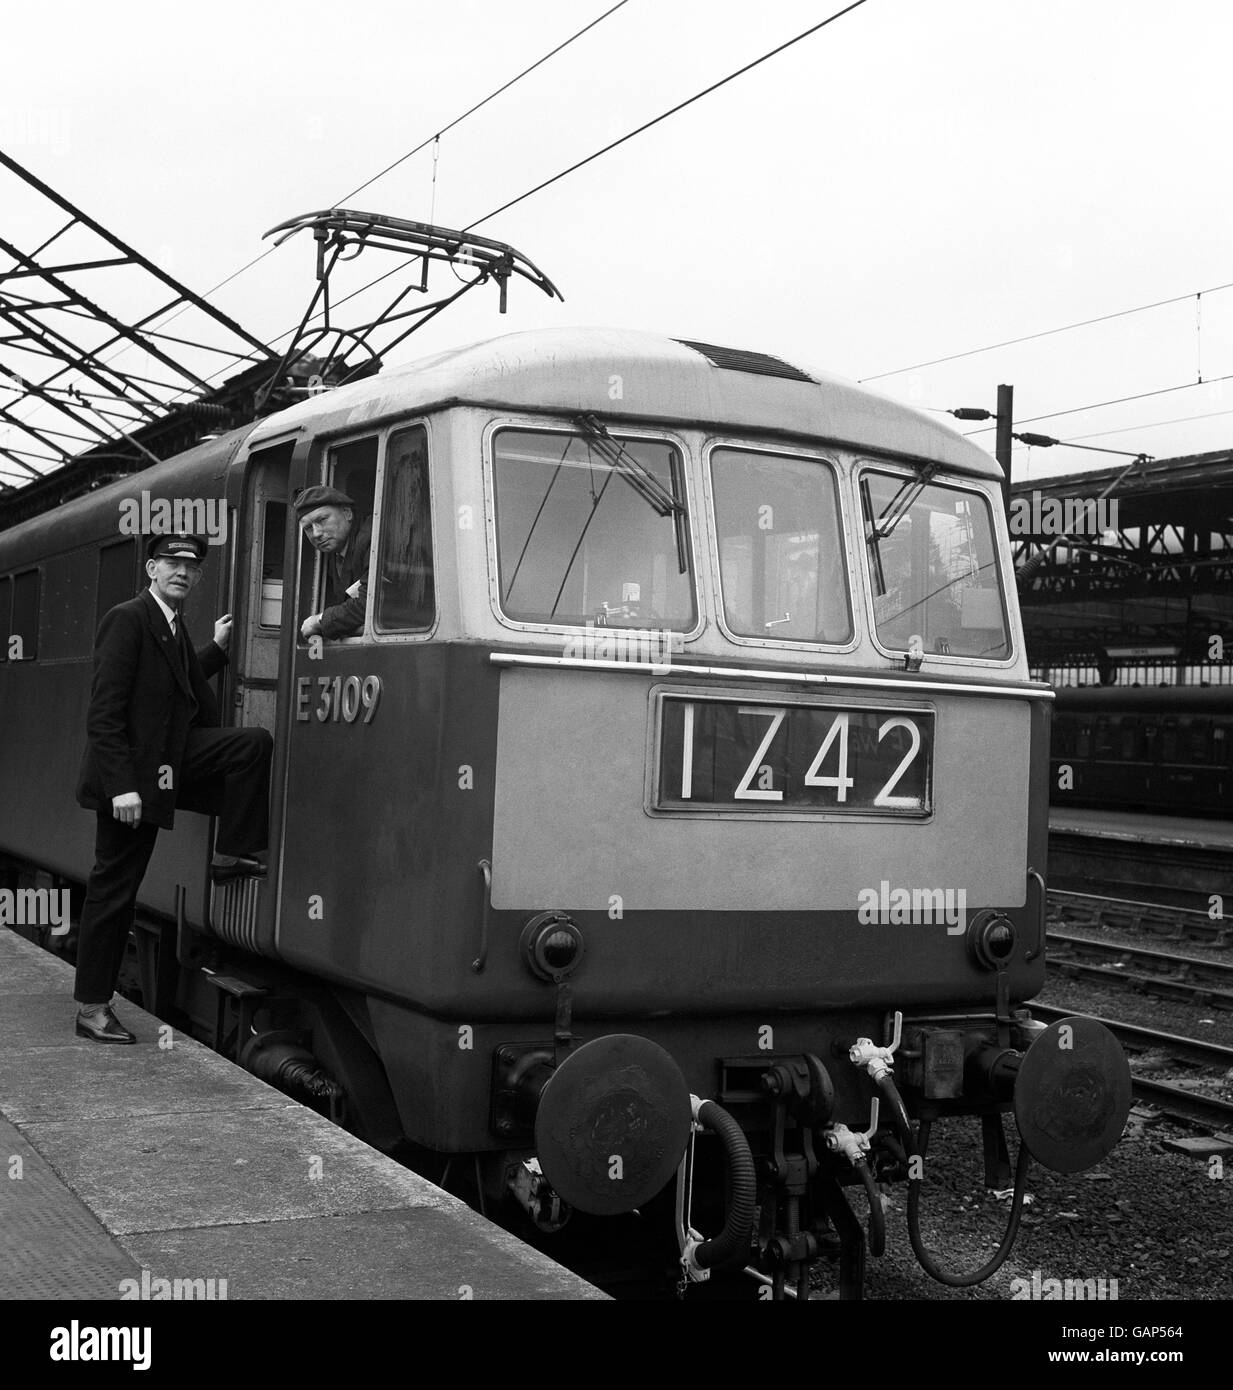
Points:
[[327, 518], [154, 745]]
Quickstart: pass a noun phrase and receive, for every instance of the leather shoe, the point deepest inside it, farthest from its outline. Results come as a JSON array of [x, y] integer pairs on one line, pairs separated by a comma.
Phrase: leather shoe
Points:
[[103, 1026], [241, 868]]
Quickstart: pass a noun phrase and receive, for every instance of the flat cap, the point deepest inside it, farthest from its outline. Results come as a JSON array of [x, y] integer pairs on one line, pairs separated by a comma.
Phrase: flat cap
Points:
[[311, 497], [177, 546]]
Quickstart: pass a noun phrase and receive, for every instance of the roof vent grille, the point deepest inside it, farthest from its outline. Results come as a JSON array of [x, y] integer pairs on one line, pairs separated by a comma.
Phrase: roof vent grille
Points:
[[739, 360]]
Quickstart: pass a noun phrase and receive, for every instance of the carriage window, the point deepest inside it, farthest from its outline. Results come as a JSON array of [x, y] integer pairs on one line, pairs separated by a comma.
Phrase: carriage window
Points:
[[589, 531], [933, 567], [25, 622], [781, 560], [406, 598], [1083, 740]]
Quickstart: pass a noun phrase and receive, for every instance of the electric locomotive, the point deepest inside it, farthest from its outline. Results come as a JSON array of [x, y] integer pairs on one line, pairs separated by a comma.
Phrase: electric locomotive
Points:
[[672, 836]]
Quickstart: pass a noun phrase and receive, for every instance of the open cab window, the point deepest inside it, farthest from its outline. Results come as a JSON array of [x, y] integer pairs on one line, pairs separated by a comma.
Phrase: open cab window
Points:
[[352, 469], [591, 529], [933, 570]]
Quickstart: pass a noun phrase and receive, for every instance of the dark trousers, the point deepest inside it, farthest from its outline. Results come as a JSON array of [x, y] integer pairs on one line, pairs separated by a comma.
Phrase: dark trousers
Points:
[[243, 757], [122, 854]]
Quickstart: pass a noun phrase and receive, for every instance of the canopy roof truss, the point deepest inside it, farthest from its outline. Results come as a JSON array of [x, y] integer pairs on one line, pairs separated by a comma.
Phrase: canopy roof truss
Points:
[[97, 343]]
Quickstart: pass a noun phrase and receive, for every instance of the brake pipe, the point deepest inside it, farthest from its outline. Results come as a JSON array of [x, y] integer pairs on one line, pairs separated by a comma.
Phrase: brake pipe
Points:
[[854, 1146], [877, 1213], [699, 1256], [924, 1259], [899, 1112]]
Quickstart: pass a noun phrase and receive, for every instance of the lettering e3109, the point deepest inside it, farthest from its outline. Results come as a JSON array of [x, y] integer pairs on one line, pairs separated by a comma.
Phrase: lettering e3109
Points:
[[336, 698]]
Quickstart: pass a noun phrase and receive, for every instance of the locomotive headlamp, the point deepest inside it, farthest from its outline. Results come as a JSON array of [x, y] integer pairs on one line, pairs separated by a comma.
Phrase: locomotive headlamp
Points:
[[552, 946], [992, 939]]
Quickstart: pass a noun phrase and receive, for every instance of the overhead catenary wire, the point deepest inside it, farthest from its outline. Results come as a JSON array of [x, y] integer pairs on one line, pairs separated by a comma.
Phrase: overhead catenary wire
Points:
[[539, 62], [1049, 332], [436, 136], [434, 140], [1100, 405], [663, 116], [646, 125], [1151, 425]]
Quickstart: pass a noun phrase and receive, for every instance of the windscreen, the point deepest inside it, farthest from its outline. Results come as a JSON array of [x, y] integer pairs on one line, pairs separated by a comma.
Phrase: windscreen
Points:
[[781, 558], [591, 530], [933, 567]]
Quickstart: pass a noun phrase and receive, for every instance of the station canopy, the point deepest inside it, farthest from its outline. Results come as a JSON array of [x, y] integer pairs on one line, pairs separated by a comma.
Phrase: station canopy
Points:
[[107, 363], [1150, 578]]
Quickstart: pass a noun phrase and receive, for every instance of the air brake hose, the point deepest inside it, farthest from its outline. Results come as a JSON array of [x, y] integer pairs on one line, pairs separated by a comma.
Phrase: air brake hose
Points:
[[926, 1261], [734, 1239], [899, 1112], [877, 1214]]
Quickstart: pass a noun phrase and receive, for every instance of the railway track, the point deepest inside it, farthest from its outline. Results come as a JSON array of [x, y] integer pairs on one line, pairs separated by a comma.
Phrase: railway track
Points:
[[1204, 982], [1179, 1102], [1152, 919]]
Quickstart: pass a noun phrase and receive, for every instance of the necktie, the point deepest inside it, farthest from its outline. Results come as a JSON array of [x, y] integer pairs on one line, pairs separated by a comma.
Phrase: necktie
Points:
[[177, 637]]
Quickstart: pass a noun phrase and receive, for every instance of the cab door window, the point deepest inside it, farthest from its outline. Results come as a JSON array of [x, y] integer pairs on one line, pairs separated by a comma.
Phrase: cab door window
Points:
[[406, 595]]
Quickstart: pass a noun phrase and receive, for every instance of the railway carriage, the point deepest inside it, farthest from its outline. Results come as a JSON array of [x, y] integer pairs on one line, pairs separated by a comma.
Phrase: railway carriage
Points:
[[675, 827], [1161, 748]]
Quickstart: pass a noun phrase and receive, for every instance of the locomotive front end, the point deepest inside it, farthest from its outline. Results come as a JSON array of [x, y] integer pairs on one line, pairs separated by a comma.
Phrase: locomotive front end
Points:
[[771, 815]]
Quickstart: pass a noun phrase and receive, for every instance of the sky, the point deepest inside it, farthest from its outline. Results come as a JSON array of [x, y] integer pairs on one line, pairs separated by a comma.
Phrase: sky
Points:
[[919, 179]]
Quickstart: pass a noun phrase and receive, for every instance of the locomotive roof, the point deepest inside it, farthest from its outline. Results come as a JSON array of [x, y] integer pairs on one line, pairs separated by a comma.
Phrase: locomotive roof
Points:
[[566, 371], [569, 370]]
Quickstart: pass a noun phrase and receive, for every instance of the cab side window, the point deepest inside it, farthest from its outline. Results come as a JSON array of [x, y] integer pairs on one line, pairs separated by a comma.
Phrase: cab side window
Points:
[[117, 576], [406, 595], [25, 617]]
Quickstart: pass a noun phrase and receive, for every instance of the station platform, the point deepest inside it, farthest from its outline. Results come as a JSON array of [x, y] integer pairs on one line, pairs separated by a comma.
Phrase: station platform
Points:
[[1142, 827], [1145, 856], [127, 1166]]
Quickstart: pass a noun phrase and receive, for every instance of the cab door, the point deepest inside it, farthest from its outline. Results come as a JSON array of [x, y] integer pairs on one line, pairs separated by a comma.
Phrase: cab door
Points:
[[328, 736], [267, 555], [243, 911], [362, 725]]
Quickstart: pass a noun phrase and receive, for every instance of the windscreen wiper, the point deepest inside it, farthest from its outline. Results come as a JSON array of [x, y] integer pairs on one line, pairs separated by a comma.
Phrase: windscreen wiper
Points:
[[902, 502], [641, 479]]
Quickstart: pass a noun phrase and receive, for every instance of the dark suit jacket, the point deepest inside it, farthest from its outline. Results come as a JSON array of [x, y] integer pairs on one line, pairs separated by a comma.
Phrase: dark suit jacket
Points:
[[142, 705], [343, 616]]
